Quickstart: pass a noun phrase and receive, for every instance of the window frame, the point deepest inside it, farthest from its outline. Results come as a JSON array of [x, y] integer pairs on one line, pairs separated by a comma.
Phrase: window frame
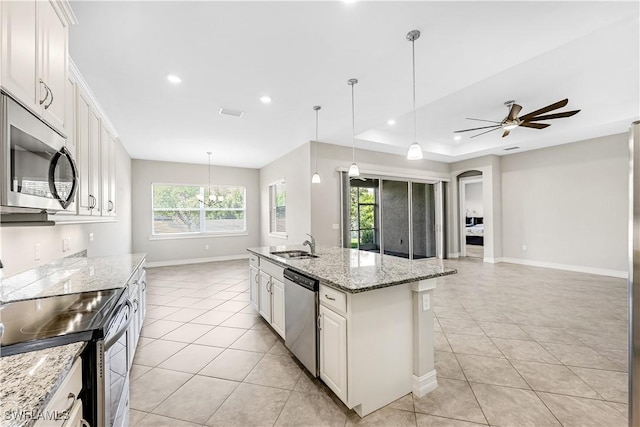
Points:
[[202, 209], [375, 228], [273, 207]]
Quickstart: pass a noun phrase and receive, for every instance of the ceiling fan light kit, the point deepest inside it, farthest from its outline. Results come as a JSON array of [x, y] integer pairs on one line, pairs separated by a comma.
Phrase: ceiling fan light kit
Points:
[[415, 150], [528, 120]]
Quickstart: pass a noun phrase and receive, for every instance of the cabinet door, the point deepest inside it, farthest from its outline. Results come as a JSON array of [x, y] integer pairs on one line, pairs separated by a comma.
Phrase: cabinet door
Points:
[[333, 351], [53, 35], [105, 141], [94, 163], [254, 283], [19, 52], [75, 415], [70, 117], [83, 152], [277, 306], [265, 296], [112, 177]]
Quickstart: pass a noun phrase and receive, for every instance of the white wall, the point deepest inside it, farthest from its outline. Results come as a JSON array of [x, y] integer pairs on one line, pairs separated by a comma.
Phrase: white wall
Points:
[[473, 199], [568, 205], [295, 168], [325, 197], [112, 238], [185, 249]]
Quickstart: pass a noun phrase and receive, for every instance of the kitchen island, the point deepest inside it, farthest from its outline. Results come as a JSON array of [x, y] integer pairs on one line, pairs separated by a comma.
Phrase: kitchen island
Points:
[[375, 319]]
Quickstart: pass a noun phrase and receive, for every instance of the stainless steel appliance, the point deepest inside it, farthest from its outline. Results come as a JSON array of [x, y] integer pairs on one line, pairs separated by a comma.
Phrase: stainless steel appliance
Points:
[[103, 319], [634, 275], [38, 171], [301, 314]]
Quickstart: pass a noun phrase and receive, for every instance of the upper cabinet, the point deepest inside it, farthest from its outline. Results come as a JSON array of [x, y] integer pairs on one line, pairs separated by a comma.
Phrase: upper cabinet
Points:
[[34, 56]]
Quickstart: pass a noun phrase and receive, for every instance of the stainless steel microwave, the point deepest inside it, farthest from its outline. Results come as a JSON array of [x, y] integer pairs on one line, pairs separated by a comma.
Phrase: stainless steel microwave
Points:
[[38, 171]]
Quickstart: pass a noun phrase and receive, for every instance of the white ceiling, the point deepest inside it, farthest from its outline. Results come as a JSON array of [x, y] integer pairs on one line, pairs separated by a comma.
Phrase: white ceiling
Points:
[[470, 58]]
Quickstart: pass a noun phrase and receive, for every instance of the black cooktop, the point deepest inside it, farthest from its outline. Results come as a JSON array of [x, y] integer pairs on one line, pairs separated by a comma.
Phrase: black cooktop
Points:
[[40, 323]]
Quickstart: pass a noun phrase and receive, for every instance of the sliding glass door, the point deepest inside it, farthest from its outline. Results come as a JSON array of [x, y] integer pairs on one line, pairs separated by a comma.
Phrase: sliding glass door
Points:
[[423, 220]]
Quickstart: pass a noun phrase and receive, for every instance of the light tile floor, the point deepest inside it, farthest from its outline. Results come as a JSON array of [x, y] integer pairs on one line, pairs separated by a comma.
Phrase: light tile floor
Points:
[[515, 346]]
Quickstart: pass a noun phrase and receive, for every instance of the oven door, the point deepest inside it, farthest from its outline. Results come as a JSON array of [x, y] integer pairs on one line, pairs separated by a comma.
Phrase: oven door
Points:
[[38, 171], [115, 385]]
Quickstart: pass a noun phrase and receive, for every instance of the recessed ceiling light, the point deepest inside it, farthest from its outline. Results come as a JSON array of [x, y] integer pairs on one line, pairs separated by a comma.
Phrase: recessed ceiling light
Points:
[[174, 79], [391, 122], [265, 99], [457, 138]]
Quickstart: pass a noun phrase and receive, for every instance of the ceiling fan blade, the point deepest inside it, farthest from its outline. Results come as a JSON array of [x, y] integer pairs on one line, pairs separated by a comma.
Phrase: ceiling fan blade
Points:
[[534, 125], [483, 127], [506, 133], [490, 130], [483, 120], [556, 115], [546, 109], [513, 112]]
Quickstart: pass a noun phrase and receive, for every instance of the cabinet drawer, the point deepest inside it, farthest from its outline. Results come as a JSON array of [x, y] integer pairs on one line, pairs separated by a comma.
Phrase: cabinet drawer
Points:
[[254, 260], [333, 298], [272, 269], [61, 400]]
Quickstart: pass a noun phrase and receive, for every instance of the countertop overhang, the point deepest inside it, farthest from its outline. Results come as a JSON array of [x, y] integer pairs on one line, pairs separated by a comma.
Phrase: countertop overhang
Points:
[[353, 270]]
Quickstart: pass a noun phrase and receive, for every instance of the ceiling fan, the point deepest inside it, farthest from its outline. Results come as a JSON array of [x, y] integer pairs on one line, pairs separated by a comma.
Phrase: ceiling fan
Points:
[[512, 120]]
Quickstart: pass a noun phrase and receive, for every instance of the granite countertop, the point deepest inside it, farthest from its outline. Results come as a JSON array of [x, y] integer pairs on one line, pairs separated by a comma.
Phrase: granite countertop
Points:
[[29, 380], [70, 275], [352, 270]]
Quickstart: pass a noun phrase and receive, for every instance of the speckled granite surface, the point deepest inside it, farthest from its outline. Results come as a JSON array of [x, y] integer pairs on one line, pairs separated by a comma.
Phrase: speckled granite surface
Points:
[[70, 275], [29, 380], [354, 271]]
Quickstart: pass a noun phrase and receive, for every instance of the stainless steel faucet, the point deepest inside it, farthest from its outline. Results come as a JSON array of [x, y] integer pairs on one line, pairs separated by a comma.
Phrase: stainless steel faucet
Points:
[[311, 244]]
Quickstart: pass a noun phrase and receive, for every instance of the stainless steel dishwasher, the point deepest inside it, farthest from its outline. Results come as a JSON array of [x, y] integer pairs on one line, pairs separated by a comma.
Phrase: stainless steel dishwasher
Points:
[[300, 314]]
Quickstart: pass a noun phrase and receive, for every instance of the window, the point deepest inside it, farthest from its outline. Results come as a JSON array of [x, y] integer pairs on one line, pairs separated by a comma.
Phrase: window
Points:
[[363, 214], [278, 208], [177, 210]]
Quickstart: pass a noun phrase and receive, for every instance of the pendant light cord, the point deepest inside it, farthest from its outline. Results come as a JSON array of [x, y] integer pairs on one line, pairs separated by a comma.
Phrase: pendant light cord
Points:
[[316, 171], [415, 121], [353, 124], [209, 153]]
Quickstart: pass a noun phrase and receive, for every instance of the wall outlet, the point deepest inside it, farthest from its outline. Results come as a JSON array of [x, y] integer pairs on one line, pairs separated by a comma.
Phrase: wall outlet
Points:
[[37, 252], [64, 244], [91, 237], [426, 302]]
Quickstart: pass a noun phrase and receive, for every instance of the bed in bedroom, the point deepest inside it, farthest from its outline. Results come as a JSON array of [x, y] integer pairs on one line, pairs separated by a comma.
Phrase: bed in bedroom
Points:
[[474, 230]]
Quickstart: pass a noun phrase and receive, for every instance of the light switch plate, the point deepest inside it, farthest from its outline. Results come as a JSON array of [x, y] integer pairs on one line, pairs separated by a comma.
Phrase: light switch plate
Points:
[[426, 302]]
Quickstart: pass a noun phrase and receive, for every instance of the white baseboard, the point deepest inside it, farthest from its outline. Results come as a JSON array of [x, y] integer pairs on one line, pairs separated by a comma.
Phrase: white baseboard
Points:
[[491, 260], [567, 267], [151, 264], [424, 384]]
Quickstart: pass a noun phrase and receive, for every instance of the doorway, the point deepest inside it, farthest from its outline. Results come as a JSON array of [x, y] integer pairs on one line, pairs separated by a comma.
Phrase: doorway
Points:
[[471, 215]]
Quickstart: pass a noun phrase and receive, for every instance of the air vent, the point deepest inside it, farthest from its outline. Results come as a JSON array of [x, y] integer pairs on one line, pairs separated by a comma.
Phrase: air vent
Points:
[[228, 112], [511, 148]]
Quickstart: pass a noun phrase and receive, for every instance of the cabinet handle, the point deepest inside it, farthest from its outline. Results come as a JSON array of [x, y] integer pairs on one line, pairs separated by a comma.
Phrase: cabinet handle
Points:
[[71, 397], [110, 206], [42, 101], [269, 286], [319, 322], [136, 304], [84, 423], [329, 298], [50, 102], [257, 279]]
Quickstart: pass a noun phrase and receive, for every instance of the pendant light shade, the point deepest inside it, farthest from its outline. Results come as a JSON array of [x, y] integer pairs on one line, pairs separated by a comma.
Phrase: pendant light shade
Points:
[[315, 179], [354, 170], [415, 150]]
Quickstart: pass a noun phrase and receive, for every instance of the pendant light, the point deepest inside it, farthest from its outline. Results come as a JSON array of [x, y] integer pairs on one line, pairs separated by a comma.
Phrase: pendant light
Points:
[[415, 150], [212, 198], [316, 176], [354, 171]]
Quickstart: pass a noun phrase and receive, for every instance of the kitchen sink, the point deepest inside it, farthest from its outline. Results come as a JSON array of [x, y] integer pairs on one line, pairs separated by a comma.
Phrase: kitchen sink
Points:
[[294, 254]]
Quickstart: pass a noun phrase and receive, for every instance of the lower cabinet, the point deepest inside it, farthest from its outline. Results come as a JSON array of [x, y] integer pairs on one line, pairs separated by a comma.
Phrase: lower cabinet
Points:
[[65, 408], [333, 351], [266, 292]]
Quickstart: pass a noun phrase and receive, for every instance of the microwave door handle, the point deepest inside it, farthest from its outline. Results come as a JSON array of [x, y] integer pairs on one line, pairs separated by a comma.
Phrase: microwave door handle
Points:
[[111, 341], [52, 177]]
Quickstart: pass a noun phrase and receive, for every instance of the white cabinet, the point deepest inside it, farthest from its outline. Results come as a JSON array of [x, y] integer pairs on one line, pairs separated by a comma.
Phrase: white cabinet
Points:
[[65, 402], [266, 289], [254, 283], [333, 351], [34, 57], [107, 169], [265, 296], [277, 306]]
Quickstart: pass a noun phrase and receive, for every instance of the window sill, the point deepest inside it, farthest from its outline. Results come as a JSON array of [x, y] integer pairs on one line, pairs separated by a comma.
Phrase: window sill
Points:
[[196, 236], [279, 235]]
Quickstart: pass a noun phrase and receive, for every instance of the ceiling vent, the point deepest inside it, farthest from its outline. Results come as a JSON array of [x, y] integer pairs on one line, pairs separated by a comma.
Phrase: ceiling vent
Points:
[[511, 148], [228, 112]]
